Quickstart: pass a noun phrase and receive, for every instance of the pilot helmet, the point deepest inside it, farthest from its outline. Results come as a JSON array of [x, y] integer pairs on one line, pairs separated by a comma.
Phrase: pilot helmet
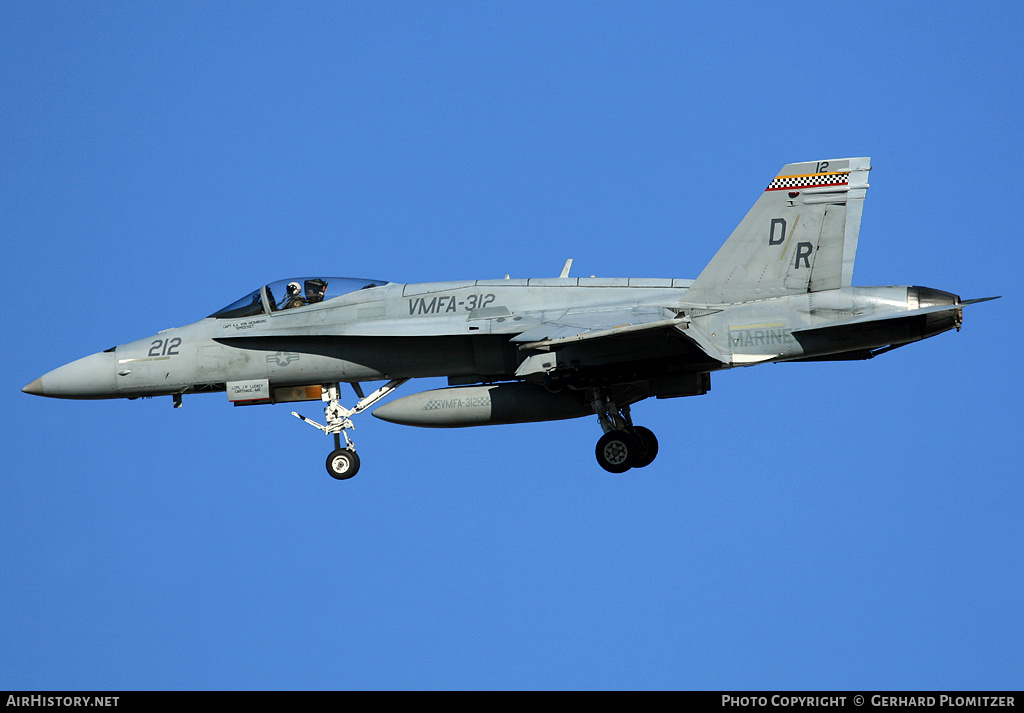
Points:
[[294, 288]]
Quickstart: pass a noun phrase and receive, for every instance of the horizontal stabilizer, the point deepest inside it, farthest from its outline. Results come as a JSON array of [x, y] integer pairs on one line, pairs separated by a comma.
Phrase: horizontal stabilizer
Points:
[[977, 300]]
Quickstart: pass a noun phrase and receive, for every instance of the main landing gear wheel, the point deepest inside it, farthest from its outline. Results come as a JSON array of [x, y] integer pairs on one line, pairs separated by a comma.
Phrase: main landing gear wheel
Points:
[[648, 450], [342, 464], [616, 451], [623, 445]]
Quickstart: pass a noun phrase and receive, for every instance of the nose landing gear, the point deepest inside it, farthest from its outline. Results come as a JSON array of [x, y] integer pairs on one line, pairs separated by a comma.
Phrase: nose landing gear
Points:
[[343, 463]]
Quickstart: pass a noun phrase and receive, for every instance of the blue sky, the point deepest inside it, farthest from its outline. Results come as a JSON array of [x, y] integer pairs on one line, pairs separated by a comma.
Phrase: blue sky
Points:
[[814, 526]]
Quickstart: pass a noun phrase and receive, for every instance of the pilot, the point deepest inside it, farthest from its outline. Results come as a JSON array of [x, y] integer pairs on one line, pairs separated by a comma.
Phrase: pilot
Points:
[[315, 290], [294, 297]]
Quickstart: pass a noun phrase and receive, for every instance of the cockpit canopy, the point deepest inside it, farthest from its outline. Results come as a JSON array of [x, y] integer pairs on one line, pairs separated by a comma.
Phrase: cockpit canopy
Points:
[[292, 293]]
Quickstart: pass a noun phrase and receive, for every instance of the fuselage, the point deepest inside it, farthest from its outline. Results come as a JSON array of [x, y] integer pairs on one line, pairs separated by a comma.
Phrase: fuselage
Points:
[[465, 330]]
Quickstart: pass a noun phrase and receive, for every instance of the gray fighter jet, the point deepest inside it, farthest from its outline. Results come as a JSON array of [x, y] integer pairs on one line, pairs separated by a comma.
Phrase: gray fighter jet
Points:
[[520, 350]]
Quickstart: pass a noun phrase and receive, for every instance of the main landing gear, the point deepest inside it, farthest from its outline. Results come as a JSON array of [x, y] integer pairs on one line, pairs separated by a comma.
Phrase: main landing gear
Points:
[[623, 445], [343, 463]]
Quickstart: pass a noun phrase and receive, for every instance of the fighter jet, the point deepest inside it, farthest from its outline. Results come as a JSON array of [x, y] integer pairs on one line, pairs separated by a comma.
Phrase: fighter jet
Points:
[[521, 350]]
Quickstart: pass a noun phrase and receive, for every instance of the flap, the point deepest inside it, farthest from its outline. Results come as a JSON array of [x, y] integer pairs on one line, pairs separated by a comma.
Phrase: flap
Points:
[[561, 335], [593, 323]]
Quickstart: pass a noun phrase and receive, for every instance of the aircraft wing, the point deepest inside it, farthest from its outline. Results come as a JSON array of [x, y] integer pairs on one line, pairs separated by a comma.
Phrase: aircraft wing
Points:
[[592, 333], [580, 325], [556, 335]]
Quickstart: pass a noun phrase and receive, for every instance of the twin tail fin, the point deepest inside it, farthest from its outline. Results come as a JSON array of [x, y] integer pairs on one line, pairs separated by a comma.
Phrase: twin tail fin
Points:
[[800, 236]]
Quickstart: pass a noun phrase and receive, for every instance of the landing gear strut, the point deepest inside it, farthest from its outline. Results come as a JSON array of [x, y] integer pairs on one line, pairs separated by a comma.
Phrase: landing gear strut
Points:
[[343, 463], [623, 445]]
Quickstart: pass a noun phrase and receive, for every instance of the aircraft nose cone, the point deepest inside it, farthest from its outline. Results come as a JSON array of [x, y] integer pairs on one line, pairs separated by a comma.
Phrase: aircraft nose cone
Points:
[[91, 377]]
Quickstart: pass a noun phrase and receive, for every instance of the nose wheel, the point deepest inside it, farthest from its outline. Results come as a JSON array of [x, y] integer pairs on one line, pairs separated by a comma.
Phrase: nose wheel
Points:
[[342, 463]]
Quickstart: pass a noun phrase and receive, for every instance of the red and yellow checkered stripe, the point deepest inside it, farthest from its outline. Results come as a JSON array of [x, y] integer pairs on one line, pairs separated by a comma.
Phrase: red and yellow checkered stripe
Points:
[[810, 180]]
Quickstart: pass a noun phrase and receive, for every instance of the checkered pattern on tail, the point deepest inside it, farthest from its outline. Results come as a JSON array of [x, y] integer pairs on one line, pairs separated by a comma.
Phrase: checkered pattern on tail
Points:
[[814, 179]]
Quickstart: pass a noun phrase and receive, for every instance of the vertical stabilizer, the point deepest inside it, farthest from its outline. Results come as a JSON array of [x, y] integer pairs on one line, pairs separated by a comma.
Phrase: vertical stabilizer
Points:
[[800, 236]]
